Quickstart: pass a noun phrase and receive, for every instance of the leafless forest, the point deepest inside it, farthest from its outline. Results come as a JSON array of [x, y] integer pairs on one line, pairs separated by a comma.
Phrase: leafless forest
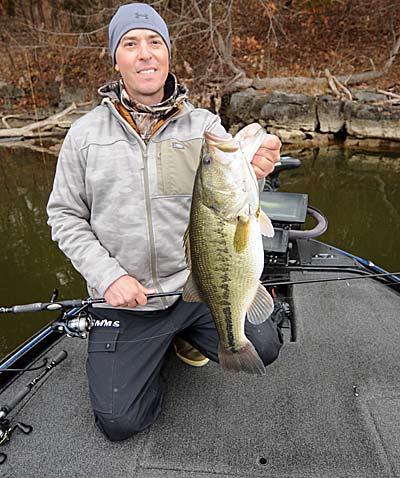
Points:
[[49, 47]]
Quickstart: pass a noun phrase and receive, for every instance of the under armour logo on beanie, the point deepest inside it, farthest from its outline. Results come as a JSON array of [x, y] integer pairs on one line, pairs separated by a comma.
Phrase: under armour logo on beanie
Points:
[[132, 16], [144, 15]]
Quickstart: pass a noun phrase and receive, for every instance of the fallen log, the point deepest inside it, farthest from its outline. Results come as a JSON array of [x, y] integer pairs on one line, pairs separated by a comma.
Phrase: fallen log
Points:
[[342, 81], [40, 128], [283, 83]]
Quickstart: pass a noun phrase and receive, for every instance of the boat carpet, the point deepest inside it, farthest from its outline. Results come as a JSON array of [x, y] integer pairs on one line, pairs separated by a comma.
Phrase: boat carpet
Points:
[[328, 407]]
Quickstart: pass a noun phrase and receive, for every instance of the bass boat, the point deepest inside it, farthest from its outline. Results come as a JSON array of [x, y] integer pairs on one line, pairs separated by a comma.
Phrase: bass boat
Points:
[[329, 406]]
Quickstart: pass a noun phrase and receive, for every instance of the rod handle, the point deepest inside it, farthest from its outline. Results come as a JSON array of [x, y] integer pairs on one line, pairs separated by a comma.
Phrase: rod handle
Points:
[[15, 400], [62, 355], [39, 306], [35, 307]]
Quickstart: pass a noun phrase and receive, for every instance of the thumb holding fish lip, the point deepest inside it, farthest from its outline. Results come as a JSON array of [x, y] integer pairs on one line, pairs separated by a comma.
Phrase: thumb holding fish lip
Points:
[[267, 155], [127, 291]]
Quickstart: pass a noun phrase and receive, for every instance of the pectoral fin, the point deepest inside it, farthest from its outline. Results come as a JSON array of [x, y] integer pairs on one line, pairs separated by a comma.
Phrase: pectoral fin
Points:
[[261, 307], [242, 233], [266, 227], [190, 291]]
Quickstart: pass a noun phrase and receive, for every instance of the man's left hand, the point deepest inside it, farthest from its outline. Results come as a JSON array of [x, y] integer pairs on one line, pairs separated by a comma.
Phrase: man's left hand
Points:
[[267, 155]]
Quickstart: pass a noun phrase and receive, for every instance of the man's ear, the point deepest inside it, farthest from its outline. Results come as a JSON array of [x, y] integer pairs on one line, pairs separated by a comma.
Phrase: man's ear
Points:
[[116, 67]]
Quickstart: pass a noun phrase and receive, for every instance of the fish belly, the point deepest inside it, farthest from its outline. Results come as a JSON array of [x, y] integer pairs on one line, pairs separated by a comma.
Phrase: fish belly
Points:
[[227, 281]]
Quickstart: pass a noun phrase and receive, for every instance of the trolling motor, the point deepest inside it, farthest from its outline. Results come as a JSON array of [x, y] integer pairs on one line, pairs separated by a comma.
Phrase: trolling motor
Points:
[[6, 429]]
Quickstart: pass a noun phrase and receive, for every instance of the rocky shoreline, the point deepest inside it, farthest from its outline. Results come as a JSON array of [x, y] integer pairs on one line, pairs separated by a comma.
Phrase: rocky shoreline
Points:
[[367, 120]]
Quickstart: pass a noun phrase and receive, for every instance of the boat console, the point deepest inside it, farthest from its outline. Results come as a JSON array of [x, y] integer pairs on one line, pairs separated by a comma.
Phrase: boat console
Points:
[[293, 248], [287, 211]]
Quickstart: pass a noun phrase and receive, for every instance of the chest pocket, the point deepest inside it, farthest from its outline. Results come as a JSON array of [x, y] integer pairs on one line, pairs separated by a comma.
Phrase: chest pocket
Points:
[[177, 163]]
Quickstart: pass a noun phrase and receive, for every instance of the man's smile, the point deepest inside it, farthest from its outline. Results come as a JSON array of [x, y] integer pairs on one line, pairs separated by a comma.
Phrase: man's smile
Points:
[[146, 71]]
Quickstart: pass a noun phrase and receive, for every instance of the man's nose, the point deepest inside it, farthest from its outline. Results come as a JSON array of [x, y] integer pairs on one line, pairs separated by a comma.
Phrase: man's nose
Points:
[[144, 51]]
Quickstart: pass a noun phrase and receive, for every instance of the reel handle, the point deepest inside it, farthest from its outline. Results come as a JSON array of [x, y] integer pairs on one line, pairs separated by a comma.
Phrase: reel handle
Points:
[[24, 428]]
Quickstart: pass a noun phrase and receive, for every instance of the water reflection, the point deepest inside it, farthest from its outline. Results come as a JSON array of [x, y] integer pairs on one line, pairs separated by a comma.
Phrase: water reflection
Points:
[[31, 264], [359, 194]]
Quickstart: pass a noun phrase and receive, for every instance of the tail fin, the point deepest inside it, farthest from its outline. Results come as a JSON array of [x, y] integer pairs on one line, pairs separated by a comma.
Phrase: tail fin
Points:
[[245, 359]]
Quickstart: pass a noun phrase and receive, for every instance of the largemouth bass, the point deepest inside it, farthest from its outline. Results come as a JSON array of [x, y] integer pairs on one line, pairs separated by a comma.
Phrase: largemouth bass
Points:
[[223, 245]]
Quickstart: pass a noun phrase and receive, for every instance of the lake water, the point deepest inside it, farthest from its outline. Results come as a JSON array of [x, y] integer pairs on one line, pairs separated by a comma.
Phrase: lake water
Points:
[[359, 193]]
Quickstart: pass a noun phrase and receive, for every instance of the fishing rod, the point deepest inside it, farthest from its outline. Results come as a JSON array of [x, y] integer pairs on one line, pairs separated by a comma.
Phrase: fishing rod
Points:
[[68, 304], [74, 318], [83, 303], [331, 279], [76, 321], [6, 429]]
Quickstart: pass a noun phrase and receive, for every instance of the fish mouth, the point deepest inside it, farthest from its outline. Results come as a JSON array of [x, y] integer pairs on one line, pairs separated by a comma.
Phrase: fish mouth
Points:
[[213, 138], [226, 144]]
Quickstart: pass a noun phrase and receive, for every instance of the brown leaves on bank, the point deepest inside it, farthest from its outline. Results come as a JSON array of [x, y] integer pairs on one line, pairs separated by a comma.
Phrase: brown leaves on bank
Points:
[[53, 49]]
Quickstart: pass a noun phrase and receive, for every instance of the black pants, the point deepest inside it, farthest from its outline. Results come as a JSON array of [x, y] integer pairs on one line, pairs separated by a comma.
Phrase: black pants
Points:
[[127, 350]]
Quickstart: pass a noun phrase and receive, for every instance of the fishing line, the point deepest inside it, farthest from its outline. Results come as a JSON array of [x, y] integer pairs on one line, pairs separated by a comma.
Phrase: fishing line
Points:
[[285, 297], [31, 369], [298, 282], [332, 279]]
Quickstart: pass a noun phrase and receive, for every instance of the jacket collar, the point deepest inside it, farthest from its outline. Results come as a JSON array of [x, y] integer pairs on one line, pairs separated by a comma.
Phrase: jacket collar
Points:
[[174, 94]]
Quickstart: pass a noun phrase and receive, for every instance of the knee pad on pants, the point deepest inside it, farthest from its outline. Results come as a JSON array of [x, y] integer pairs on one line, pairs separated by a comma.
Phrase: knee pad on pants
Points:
[[127, 425], [266, 338]]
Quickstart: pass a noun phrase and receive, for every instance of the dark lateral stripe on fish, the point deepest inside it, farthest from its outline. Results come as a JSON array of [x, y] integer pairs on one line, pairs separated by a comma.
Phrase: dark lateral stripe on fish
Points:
[[222, 249], [229, 329]]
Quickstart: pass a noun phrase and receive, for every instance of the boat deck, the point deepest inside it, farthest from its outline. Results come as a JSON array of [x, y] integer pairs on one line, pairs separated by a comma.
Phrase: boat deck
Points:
[[302, 419]]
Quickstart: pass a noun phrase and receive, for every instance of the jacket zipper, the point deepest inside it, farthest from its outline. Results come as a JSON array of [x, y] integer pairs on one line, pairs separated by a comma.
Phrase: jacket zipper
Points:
[[150, 232], [154, 274]]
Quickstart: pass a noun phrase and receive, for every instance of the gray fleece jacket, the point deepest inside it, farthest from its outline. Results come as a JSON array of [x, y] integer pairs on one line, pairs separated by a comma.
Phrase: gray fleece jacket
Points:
[[119, 206]]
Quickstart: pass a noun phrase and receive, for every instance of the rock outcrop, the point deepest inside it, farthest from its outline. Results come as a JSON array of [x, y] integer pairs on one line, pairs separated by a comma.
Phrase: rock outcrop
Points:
[[297, 118]]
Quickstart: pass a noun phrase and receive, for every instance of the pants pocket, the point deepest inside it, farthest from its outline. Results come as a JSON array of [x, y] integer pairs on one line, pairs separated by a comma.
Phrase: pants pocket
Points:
[[100, 367]]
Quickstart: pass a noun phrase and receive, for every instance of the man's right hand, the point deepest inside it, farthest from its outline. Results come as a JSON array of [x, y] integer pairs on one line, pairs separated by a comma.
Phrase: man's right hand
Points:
[[127, 292]]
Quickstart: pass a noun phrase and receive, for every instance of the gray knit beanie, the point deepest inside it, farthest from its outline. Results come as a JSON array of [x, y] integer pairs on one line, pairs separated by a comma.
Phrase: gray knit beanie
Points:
[[135, 15]]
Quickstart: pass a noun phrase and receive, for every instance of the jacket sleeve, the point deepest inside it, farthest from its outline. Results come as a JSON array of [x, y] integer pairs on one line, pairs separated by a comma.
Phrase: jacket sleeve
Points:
[[69, 218], [214, 126]]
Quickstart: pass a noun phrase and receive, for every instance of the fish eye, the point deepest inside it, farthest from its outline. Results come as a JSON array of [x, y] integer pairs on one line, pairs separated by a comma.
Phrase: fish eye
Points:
[[207, 160]]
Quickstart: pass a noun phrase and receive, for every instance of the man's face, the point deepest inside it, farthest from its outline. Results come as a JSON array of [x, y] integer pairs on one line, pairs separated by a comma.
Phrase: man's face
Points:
[[142, 59]]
